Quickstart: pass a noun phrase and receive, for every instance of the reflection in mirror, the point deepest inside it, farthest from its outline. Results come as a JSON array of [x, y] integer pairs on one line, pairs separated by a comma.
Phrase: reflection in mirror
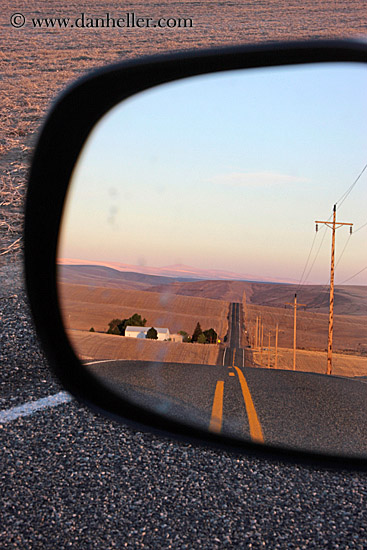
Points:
[[193, 279]]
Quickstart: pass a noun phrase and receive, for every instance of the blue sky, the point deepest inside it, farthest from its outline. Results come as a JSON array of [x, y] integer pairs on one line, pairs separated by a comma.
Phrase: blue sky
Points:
[[227, 171]]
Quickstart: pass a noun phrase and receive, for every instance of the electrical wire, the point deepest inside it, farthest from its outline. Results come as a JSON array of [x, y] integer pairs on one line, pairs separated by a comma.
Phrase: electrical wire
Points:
[[301, 283], [344, 196], [345, 246], [352, 277], [326, 286], [359, 228], [340, 201], [306, 264], [314, 260]]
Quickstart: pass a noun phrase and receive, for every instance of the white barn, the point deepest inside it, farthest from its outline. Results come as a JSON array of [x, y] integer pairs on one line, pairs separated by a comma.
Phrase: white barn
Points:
[[141, 332]]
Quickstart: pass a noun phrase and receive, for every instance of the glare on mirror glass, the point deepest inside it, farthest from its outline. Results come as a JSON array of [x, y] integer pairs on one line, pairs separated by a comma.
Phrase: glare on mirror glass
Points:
[[203, 269]]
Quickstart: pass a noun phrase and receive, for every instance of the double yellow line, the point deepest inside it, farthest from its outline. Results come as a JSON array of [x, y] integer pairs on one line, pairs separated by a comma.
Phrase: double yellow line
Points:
[[216, 420]]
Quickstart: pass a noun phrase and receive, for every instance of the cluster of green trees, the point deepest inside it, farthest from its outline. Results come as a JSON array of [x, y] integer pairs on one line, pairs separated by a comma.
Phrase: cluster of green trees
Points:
[[202, 337], [118, 326]]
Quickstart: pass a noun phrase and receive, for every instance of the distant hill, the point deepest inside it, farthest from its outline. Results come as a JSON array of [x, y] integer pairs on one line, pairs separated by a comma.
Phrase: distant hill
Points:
[[349, 300], [97, 275], [179, 272]]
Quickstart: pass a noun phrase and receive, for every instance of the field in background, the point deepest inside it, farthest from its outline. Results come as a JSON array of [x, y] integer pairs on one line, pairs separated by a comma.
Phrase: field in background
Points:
[[84, 307], [108, 346], [349, 340], [313, 361], [350, 331]]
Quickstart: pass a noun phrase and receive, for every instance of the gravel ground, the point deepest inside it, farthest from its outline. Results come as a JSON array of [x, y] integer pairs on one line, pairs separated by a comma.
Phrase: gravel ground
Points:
[[73, 479]]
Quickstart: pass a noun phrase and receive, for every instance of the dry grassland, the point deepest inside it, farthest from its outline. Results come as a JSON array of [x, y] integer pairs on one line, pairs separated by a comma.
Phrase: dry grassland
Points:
[[84, 307], [95, 346], [349, 340], [314, 361], [350, 332]]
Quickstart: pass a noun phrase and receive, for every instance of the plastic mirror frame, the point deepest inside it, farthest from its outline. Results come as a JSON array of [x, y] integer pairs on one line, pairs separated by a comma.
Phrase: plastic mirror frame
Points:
[[61, 139]]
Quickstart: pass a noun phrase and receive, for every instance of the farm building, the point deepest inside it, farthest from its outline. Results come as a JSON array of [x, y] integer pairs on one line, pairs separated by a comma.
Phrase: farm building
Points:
[[178, 338], [141, 332]]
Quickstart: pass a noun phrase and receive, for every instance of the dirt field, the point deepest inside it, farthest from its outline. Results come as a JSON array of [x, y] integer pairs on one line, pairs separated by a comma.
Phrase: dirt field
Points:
[[349, 340], [314, 361], [350, 332], [85, 307], [107, 346]]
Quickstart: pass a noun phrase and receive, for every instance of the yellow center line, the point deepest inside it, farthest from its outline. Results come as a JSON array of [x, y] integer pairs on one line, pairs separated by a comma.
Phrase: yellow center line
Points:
[[217, 410], [231, 373], [256, 433]]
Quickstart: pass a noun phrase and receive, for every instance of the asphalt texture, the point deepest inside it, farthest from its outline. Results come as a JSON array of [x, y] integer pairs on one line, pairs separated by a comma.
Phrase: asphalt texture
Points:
[[71, 479]]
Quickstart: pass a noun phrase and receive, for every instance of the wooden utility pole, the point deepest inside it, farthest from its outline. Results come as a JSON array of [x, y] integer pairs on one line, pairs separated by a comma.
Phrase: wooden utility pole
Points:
[[259, 332], [295, 305], [335, 225], [256, 331], [261, 344], [269, 352], [276, 346]]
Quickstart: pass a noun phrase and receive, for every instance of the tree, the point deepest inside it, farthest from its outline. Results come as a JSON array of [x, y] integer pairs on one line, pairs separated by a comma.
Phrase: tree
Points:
[[133, 321], [196, 333], [136, 321], [91, 329], [114, 326], [114, 330], [185, 336], [152, 334], [211, 336], [201, 338], [118, 326]]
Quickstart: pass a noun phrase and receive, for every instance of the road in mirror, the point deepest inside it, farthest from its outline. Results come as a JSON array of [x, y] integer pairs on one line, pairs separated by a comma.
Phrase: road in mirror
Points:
[[193, 277]]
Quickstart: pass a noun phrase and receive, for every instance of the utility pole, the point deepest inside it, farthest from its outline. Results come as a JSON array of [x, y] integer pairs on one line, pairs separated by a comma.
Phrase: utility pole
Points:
[[261, 344], [295, 305], [269, 352], [276, 347], [256, 331], [259, 332], [335, 225]]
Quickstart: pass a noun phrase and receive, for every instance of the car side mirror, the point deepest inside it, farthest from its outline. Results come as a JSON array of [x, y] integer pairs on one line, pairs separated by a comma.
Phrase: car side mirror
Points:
[[172, 268]]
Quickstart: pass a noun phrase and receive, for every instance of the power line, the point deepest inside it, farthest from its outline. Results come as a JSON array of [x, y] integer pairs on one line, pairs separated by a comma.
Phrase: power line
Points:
[[352, 277], [344, 196], [361, 227], [345, 246], [306, 264], [340, 201], [314, 260], [326, 286]]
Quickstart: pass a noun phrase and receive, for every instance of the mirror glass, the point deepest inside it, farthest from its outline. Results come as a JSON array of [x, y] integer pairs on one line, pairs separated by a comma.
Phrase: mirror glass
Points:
[[212, 262]]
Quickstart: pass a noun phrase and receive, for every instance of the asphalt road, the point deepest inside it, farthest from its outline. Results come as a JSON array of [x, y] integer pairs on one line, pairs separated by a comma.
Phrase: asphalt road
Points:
[[72, 479], [306, 411]]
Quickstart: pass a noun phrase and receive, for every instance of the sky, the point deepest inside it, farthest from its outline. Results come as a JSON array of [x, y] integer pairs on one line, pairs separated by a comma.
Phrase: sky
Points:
[[228, 171]]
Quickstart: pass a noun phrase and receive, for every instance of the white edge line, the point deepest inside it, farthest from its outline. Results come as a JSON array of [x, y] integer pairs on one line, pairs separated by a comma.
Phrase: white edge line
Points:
[[103, 361], [32, 407]]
